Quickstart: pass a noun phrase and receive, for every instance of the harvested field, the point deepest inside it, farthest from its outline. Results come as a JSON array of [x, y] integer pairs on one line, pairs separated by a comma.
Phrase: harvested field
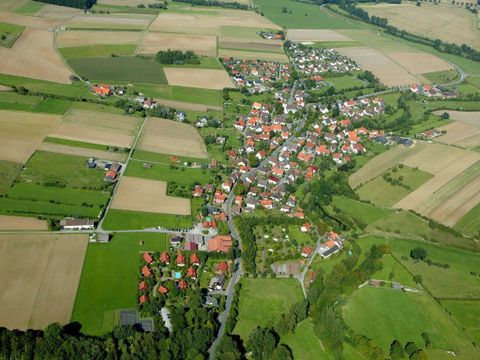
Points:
[[21, 223], [253, 55], [199, 78], [188, 106], [209, 25], [300, 35], [381, 163], [389, 72], [137, 194], [78, 151], [97, 128], [467, 117], [57, 12], [29, 21], [33, 55], [41, 273], [11, 5], [460, 134], [419, 63], [251, 45], [200, 44], [112, 21], [173, 138], [88, 37], [22, 133], [449, 23]]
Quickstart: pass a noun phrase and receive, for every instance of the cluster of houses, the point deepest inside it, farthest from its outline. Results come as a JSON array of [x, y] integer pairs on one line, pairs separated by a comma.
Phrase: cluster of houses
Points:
[[146, 103], [256, 75], [356, 110], [270, 35], [311, 61], [333, 245], [433, 91], [104, 90]]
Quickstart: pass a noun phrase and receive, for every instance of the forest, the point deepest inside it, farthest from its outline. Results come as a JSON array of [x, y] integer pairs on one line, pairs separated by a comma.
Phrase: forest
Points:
[[79, 4]]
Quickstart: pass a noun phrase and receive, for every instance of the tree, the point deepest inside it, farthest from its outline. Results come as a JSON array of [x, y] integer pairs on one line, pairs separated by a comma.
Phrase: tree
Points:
[[229, 349], [418, 253], [417, 278], [282, 352], [262, 343], [284, 9], [445, 116], [396, 350]]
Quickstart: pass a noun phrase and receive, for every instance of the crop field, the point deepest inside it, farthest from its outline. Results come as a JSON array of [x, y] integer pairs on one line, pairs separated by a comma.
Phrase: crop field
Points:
[[34, 56], [469, 223], [136, 194], [120, 69], [95, 51], [154, 42], [199, 78], [9, 34], [81, 151], [112, 21], [57, 12], [97, 127], [21, 223], [254, 311], [11, 5], [460, 134], [42, 273], [125, 220], [419, 63], [90, 37], [449, 23], [29, 7], [36, 104], [171, 137], [8, 173], [467, 117], [22, 133], [253, 55], [101, 292], [29, 21], [314, 35]]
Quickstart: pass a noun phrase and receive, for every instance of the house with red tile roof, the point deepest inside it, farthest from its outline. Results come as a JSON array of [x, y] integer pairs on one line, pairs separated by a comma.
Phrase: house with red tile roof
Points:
[[221, 267], [180, 261], [307, 251], [220, 243], [194, 259], [165, 258], [146, 271], [143, 286], [143, 299], [191, 273], [148, 258], [182, 284], [162, 290]]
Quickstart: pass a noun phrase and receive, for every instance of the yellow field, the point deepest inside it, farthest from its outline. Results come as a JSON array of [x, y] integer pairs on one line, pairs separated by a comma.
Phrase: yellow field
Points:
[[39, 276], [467, 117], [90, 37], [137, 194], [21, 223], [200, 44], [172, 137], [22, 133], [198, 78], [97, 128], [449, 23]]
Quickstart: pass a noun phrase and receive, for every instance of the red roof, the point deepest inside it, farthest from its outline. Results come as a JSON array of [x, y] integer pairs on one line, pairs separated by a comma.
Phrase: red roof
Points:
[[223, 266], [143, 299], [191, 273], [162, 290], [148, 259], [194, 259], [146, 271], [180, 259], [182, 284], [307, 250], [143, 286], [165, 257], [220, 243]]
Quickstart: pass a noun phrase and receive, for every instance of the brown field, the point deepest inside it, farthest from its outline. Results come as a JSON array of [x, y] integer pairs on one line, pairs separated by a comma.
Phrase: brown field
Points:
[[112, 21], [88, 37], [300, 35], [137, 194], [467, 117], [22, 133], [29, 21], [200, 44], [21, 223], [419, 63], [33, 55], [78, 151], [97, 128], [199, 78], [448, 23], [11, 5], [39, 275], [196, 24], [187, 106], [460, 134], [381, 163], [172, 137], [57, 12], [253, 55]]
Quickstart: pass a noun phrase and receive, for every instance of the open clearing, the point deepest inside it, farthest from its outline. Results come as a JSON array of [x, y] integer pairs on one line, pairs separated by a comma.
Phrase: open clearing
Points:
[[460, 134], [41, 273], [137, 194], [22, 133], [300, 35], [97, 127], [29, 21], [21, 223], [78, 151], [33, 55], [467, 117], [90, 37], [172, 137], [199, 78], [112, 21], [200, 44], [253, 55], [449, 23]]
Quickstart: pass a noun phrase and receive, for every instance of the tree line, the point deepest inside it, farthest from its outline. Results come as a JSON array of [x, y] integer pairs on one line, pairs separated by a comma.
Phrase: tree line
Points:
[[170, 57], [229, 5], [79, 4]]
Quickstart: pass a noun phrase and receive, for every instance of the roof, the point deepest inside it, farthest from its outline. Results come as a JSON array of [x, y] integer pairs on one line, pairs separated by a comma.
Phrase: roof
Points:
[[182, 284], [162, 290], [220, 243], [194, 259], [143, 286], [191, 272], [164, 257], [146, 271], [147, 257], [222, 266]]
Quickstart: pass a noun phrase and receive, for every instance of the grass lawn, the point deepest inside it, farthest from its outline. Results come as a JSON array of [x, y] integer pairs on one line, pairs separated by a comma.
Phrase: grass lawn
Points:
[[360, 212], [253, 308], [301, 15], [109, 279], [402, 316], [92, 51], [304, 343], [181, 175], [327, 264], [381, 192], [122, 68], [182, 93], [470, 224], [9, 33], [345, 82], [467, 313], [8, 172], [30, 8], [124, 220]]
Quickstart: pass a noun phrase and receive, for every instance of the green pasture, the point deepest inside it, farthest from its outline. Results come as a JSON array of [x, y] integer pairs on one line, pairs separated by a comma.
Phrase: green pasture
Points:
[[30, 8], [94, 51], [9, 33], [345, 82], [467, 313], [164, 158], [8, 173], [304, 343], [359, 211], [470, 224], [125, 220], [110, 278], [442, 77], [81, 144], [181, 93], [17, 102]]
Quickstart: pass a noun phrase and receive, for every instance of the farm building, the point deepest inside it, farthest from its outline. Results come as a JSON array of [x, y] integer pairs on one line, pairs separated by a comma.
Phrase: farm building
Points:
[[77, 224], [220, 243]]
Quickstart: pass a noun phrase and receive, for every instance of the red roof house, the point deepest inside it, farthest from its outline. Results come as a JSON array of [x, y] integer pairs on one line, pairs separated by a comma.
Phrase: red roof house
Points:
[[143, 286], [182, 284], [165, 258], [307, 251], [191, 273], [180, 259], [162, 290], [221, 267], [146, 271], [220, 243], [143, 299], [194, 259], [147, 257]]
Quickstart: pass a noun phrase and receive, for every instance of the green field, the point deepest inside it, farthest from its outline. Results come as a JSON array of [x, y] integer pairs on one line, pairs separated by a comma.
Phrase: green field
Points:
[[467, 313], [110, 278], [30, 8], [182, 93], [9, 33], [8, 172], [403, 316], [381, 192], [93, 51], [124, 220], [442, 77], [469, 224], [304, 343], [254, 311], [345, 82], [81, 144], [360, 212], [14, 101], [302, 16], [114, 69]]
